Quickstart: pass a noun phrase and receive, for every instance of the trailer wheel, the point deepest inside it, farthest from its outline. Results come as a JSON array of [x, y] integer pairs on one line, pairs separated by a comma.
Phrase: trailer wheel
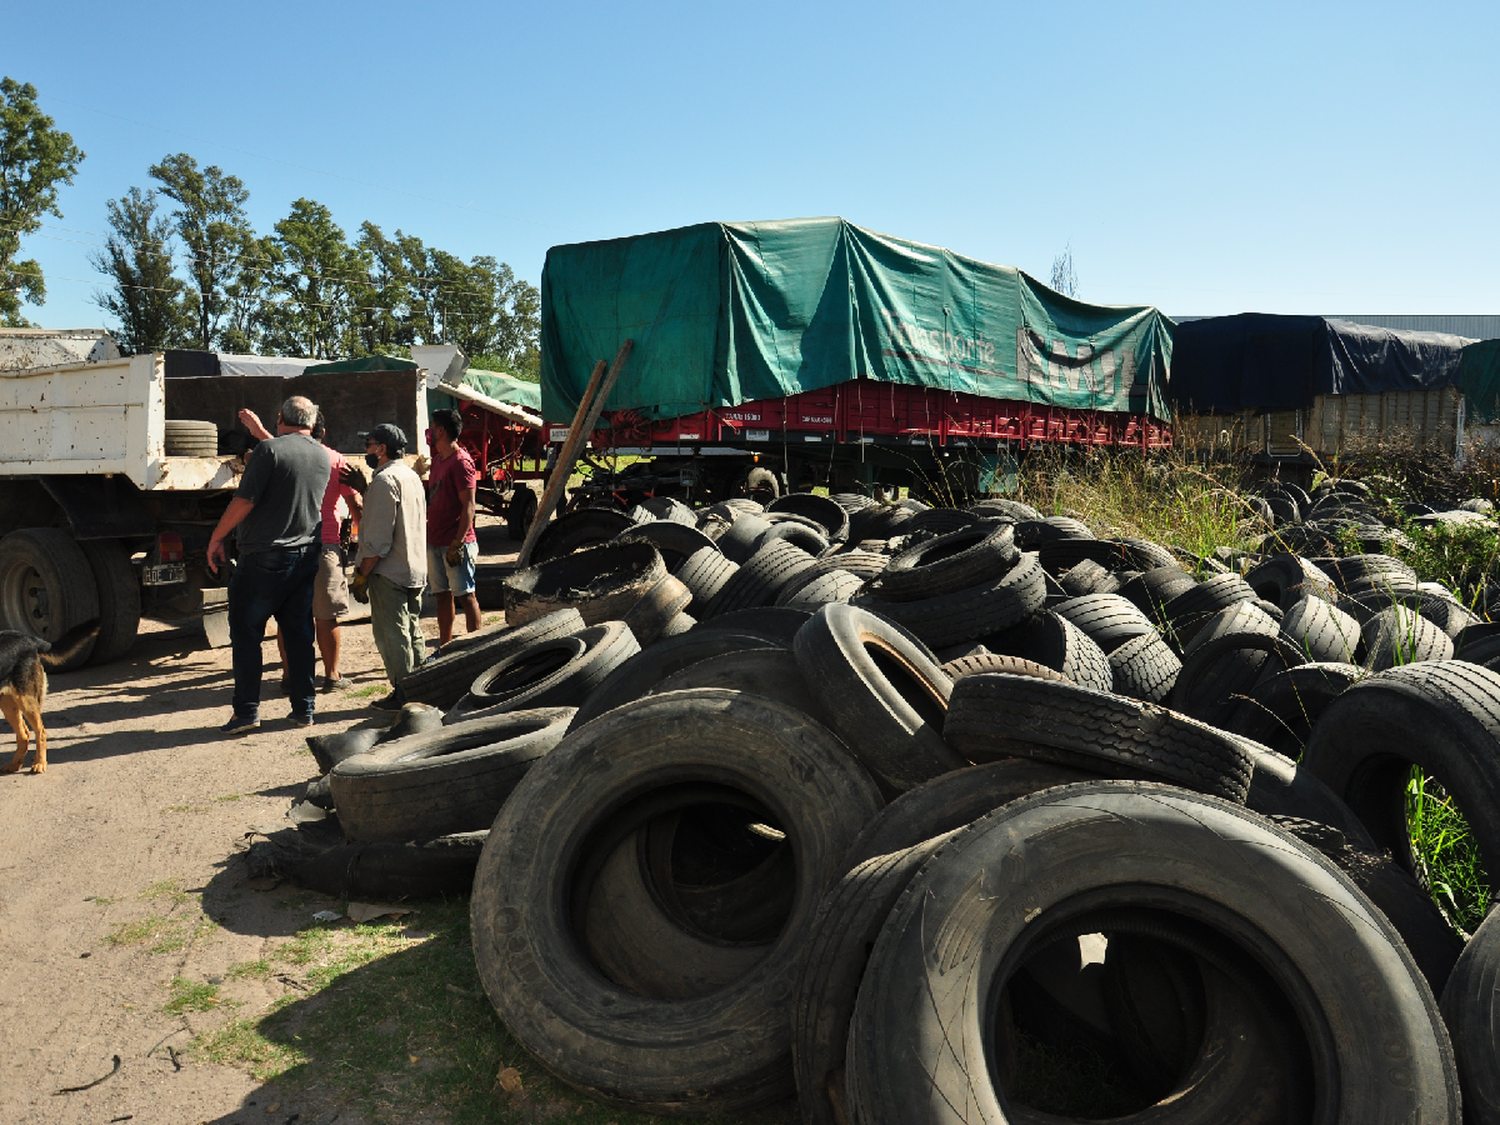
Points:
[[756, 483], [520, 512], [46, 586]]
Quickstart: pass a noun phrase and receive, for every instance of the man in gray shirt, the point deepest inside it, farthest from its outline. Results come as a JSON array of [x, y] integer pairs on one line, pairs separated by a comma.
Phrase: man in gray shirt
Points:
[[392, 562], [276, 516]]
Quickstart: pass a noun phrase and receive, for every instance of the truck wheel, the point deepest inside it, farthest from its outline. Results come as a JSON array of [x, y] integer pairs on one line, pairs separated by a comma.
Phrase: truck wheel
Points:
[[756, 483], [520, 512], [46, 586], [119, 598]]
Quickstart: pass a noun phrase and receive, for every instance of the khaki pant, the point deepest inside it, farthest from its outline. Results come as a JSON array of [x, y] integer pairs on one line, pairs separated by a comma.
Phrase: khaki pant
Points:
[[395, 613]]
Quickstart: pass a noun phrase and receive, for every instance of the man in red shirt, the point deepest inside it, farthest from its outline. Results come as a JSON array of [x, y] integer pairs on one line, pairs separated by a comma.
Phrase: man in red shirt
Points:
[[452, 548], [331, 588]]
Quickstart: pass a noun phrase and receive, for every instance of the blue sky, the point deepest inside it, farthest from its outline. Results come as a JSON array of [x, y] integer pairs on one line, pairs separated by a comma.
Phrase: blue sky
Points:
[[1205, 158]]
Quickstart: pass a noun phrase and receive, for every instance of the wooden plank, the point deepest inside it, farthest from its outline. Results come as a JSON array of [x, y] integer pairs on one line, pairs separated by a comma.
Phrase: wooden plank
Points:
[[552, 494]]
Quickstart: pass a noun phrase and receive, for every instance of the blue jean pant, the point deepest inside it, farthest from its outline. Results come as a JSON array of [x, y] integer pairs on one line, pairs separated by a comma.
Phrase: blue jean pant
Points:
[[276, 583]]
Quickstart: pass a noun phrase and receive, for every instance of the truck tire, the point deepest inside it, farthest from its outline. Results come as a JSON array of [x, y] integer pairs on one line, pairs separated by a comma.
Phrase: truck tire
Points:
[[924, 1034], [731, 1048], [1109, 620], [1322, 632], [453, 779], [602, 582], [1282, 709], [1151, 592], [188, 438], [1190, 610], [949, 563], [561, 672], [119, 588], [830, 586], [1282, 572], [978, 611], [46, 586], [760, 578], [976, 663], [704, 573], [997, 716], [638, 676], [520, 512], [1443, 716], [879, 693], [443, 681], [771, 673], [838, 947], [577, 530], [1471, 1008], [677, 542], [1399, 635], [1055, 642], [1145, 668]]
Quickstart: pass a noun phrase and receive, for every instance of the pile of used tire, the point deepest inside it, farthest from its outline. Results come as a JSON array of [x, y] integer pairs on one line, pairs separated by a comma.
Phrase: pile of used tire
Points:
[[930, 815]]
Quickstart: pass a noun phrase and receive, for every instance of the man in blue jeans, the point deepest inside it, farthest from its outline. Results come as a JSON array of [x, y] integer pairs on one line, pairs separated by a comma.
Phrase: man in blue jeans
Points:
[[275, 514]]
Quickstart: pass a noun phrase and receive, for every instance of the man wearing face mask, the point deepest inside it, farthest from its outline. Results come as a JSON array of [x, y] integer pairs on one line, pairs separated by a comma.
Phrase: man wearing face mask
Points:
[[392, 562]]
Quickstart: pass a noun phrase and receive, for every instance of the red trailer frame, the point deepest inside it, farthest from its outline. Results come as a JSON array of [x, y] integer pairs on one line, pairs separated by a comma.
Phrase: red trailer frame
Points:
[[863, 409]]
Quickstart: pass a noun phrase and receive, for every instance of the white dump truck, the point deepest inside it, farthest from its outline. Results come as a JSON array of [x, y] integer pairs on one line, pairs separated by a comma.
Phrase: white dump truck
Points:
[[113, 474]]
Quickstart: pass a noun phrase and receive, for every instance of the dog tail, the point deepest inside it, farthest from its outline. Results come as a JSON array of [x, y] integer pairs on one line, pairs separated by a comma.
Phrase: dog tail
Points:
[[67, 646]]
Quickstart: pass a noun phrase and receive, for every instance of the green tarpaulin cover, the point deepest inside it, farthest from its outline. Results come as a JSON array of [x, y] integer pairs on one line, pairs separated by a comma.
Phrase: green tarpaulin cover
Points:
[[725, 313], [1479, 375], [504, 388]]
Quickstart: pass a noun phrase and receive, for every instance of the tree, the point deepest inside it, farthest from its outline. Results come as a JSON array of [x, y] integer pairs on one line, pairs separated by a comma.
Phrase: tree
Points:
[[482, 307], [1064, 279], [317, 286], [35, 157], [388, 321], [248, 296], [146, 298], [210, 221]]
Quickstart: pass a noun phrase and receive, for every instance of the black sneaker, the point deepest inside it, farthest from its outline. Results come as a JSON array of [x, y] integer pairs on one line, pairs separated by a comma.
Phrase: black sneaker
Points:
[[392, 702], [332, 685], [299, 720], [239, 725]]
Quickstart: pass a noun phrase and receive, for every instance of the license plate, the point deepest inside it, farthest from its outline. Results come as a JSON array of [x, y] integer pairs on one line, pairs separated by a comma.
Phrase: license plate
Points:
[[164, 574]]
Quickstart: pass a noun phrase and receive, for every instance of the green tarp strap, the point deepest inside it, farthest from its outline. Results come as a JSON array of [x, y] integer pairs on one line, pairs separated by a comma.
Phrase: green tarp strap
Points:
[[725, 313]]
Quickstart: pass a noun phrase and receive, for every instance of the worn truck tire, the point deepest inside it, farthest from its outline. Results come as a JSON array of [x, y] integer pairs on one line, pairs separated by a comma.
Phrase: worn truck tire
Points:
[[1055, 642], [1322, 632], [994, 716], [771, 673], [444, 681], [573, 531], [1145, 668], [719, 1052], [639, 675], [1471, 1009], [961, 927], [1281, 709], [828, 587], [677, 542], [879, 693], [838, 948], [1151, 591], [1443, 716], [1399, 635], [449, 780], [952, 562], [561, 672], [760, 578], [1283, 572], [704, 572], [1190, 610], [602, 582], [977, 663], [656, 609], [978, 611]]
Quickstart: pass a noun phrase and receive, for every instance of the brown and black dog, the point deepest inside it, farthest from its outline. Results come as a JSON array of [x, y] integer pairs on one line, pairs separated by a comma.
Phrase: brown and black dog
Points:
[[24, 661]]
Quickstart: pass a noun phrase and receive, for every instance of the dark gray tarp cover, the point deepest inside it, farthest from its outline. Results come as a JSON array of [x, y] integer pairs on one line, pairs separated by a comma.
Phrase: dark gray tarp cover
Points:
[[725, 313], [1264, 362]]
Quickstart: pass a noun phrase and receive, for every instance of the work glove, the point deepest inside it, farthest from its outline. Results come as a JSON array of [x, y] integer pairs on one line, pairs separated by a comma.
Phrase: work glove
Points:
[[453, 554], [359, 587], [353, 478]]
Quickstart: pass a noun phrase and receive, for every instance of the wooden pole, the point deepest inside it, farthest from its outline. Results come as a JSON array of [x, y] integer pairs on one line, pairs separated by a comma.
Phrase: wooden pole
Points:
[[589, 409]]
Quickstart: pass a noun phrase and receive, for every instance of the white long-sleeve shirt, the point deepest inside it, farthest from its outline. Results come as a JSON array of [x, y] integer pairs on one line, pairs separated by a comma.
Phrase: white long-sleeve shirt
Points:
[[393, 527]]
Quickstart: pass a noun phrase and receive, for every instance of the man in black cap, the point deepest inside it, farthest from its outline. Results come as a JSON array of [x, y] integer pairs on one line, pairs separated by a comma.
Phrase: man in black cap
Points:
[[391, 568]]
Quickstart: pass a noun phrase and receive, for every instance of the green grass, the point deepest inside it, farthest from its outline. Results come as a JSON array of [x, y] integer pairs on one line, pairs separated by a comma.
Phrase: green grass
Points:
[[366, 692], [1166, 497], [1446, 856], [191, 996], [380, 1029]]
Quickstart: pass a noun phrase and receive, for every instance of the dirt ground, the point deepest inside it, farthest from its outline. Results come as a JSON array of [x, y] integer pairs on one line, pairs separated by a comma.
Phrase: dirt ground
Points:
[[119, 873]]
